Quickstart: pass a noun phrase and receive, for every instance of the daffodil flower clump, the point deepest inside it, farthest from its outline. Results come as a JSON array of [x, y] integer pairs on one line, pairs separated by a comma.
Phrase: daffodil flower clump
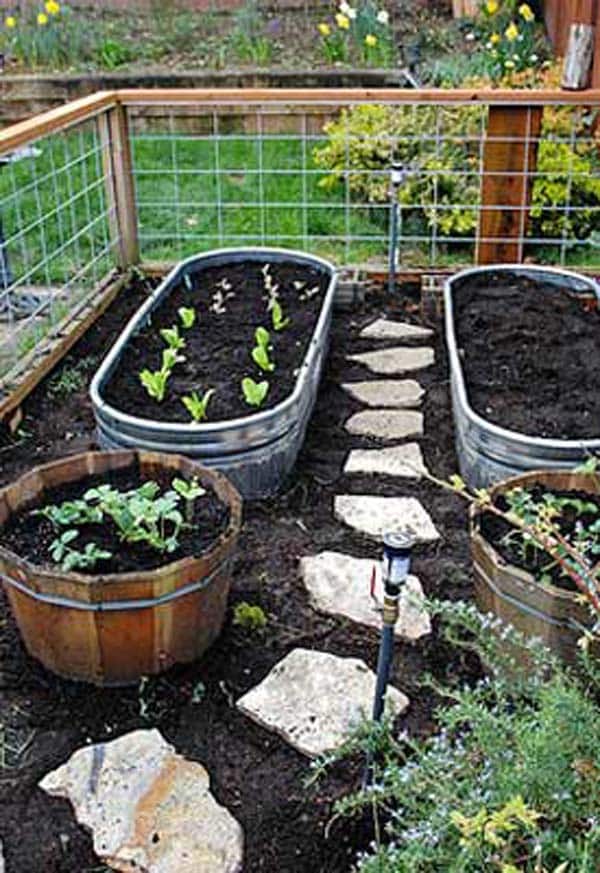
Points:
[[506, 33], [40, 36], [360, 33]]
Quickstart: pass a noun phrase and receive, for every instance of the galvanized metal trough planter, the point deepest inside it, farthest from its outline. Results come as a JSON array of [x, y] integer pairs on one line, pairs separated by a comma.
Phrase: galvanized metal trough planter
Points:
[[487, 452], [256, 452]]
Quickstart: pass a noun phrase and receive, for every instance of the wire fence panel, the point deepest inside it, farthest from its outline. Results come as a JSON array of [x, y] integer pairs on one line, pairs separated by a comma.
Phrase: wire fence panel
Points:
[[55, 237], [317, 177]]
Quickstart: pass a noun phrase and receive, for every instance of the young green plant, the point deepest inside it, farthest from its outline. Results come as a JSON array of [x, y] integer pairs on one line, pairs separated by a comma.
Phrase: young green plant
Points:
[[279, 322], [260, 353], [187, 316], [197, 406], [254, 392], [190, 491]]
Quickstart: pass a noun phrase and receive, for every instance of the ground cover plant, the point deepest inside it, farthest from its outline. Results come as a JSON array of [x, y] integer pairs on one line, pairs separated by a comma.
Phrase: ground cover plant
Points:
[[238, 352], [511, 780]]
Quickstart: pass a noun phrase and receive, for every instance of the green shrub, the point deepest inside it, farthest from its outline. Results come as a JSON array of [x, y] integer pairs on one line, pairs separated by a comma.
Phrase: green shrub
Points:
[[511, 781], [248, 617], [363, 141]]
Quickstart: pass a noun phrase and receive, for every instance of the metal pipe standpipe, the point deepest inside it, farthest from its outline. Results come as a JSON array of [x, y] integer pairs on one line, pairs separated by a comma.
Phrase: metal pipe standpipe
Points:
[[397, 178], [397, 553]]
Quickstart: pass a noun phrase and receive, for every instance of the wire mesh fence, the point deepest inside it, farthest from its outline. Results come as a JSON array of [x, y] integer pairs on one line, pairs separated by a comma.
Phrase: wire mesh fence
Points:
[[55, 235], [157, 176], [317, 178]]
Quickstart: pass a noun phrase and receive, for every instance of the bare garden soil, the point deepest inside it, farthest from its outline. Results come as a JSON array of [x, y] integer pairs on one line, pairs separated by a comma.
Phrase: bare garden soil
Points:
[[254, 773], [30, 535], [530, 354], [219, 344]]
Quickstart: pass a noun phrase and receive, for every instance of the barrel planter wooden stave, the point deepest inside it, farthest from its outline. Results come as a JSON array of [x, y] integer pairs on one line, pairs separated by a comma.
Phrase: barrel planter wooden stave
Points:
[[113, 629], [554, 615]]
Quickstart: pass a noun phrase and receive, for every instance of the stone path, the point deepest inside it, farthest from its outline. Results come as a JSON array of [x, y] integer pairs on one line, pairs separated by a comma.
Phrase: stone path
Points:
[[394, 393], [314, 699], [148, 808]]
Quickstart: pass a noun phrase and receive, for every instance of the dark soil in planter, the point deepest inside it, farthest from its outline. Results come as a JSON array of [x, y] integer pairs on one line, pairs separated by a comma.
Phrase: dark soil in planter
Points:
[[253, 772], [536, 561], [530, 354], [30, 536], [219, 345]]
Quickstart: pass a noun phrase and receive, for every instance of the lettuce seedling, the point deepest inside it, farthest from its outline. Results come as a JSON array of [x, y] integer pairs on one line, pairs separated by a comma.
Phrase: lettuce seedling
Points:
[[187, 316], [197, 406], [173, 338], [260, 353], [254, 392], [190, 491], [72, 559], [170, 358], [155, 383], [279, 322]]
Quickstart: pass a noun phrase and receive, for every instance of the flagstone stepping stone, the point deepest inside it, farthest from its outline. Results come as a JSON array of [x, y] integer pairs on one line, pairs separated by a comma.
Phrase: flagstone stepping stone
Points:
[[340, 585], [394, 393], [149, 809], [314, 700], [392, 362], [386, 424], [405, 460], [374, 516], [386, 329]]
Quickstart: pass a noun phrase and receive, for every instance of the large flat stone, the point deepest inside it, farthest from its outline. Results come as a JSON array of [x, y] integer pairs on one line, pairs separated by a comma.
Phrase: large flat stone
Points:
[[386, 329], [393, 362], [386, 424], [393, 393], [405, 460], [339, 584], [314, 700], [374, 516], [149, 809]]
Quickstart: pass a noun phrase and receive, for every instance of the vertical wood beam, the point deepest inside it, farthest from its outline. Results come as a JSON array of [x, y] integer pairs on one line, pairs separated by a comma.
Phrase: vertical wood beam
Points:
[[509, 162], [116, 151]]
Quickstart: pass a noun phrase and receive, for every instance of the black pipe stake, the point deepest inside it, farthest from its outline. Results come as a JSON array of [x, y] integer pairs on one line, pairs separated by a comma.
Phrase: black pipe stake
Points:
[[397, 550]]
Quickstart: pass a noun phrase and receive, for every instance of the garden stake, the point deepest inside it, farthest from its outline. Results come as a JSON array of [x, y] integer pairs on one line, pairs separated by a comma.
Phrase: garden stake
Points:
[[397, 551], [397, 178]]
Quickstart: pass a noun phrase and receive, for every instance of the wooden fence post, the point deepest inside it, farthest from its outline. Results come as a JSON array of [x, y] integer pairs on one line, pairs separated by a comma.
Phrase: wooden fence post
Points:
[[116, 151], [509, 162]]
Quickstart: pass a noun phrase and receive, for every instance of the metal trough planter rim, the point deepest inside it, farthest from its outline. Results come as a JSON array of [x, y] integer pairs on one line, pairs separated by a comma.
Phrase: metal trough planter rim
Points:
[[255, 418], [456, 366]]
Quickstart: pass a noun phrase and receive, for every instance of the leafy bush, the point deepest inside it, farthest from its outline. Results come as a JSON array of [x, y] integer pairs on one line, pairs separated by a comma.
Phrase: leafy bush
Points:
[[509, 784], [365, 139]]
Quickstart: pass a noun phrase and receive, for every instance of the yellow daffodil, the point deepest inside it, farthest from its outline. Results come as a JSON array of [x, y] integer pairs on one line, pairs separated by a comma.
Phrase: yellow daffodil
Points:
[[370, 40], [495, 38], [52, 7], [526, 12], [42, 18], [324, 29], [10, 21], [342, 21], [509, 65], [491, 7], [511, 32]]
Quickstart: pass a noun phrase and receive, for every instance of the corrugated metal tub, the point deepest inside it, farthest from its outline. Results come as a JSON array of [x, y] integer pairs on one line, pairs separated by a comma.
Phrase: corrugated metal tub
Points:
[[257, 451], [486, 452]]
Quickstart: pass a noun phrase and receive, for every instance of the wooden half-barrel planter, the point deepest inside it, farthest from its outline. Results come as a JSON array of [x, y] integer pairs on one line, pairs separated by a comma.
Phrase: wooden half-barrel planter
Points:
[[112, 629], [555, 615]]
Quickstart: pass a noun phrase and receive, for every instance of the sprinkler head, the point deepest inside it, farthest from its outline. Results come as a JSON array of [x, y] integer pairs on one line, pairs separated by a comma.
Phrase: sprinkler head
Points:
[[397, 552], [398, 174]]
